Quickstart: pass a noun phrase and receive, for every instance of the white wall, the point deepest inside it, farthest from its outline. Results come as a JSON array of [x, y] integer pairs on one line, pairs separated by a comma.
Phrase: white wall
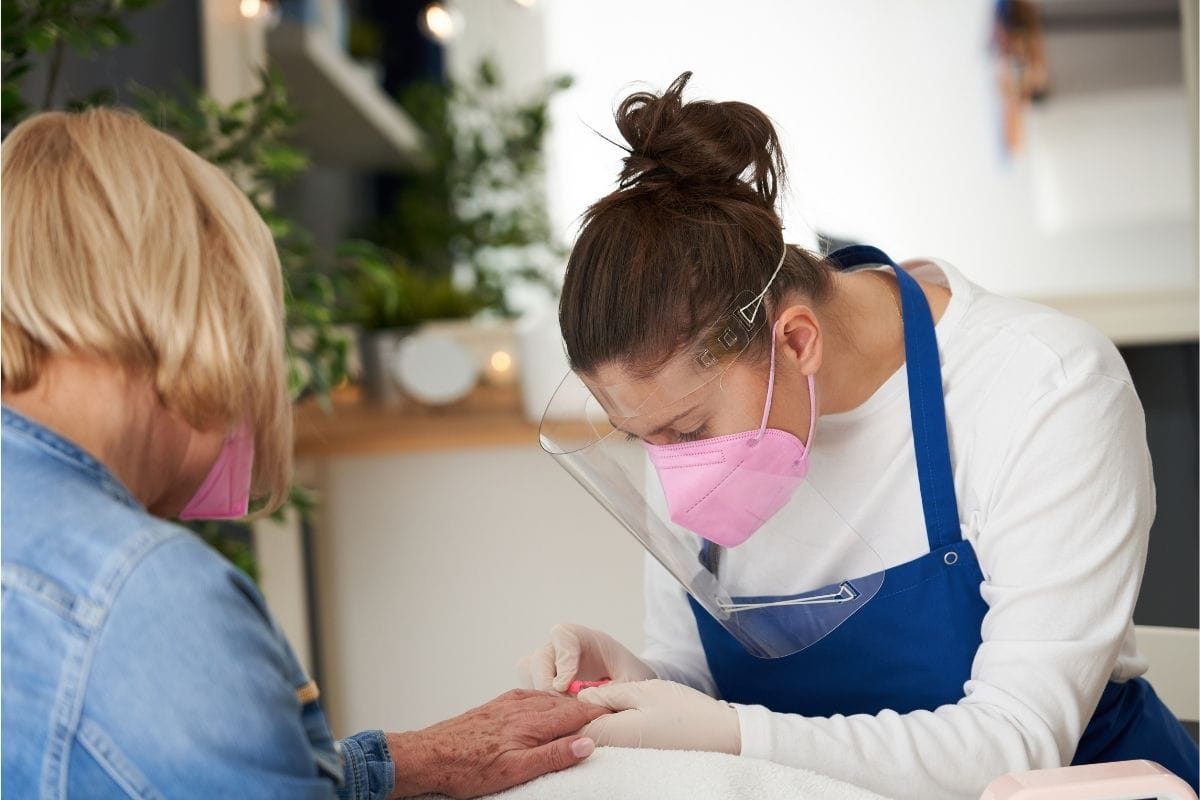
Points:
[[890, 128], [510, 34]]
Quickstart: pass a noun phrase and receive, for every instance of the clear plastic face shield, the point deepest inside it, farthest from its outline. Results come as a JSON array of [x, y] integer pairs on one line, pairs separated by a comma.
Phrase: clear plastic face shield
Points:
[[802, 572]]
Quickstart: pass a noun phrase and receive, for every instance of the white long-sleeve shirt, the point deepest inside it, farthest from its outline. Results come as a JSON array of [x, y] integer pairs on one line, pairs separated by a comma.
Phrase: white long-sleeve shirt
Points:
[[1055, 493]]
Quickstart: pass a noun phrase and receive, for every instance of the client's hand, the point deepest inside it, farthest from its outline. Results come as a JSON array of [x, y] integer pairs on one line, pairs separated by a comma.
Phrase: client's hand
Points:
[[663, 715], [576, 652], [510, 740]]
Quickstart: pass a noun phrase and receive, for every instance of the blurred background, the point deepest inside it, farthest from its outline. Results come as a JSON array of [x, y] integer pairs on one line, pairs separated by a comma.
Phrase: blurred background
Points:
[[423, 167]]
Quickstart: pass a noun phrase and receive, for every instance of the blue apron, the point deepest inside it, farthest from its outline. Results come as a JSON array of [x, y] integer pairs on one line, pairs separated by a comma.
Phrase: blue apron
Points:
[[912, 645]]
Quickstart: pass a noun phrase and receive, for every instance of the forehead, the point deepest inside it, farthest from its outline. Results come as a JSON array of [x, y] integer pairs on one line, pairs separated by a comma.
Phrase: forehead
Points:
[[626, 395], [627, 389]]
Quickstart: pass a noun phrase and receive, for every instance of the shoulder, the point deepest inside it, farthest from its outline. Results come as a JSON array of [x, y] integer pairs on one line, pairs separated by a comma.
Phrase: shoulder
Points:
[[182, 599], [71, 547], [176, 567], [67, 519], [1066, 347], [1033, 348]]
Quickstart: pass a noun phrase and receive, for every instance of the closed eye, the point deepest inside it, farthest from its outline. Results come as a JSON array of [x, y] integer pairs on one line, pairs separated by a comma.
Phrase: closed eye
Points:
[[681, 437]]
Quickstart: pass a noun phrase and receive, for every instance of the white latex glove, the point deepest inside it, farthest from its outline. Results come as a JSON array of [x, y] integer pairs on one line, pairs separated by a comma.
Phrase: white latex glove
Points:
[[663, 715], [578, 653]]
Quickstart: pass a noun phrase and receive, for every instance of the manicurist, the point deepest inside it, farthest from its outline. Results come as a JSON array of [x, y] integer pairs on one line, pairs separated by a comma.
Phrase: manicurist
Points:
[[896, 524]]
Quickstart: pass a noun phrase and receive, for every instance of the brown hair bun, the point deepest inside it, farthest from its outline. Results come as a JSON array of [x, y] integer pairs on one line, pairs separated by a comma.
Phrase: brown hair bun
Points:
[[700, 142]]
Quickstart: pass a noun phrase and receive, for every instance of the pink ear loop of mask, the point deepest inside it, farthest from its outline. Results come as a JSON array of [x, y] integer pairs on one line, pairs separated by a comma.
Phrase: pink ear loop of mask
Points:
[[225, 491], [812, 397]]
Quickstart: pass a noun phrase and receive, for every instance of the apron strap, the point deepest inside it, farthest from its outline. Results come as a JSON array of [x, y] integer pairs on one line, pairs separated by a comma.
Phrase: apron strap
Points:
[[926, 407]]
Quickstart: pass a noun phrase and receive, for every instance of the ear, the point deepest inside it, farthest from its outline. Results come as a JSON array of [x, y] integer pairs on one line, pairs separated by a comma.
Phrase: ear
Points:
[[798, 338]]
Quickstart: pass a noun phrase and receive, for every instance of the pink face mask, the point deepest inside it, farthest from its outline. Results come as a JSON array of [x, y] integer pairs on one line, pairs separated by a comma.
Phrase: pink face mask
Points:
[[724, 489], [225, 493]]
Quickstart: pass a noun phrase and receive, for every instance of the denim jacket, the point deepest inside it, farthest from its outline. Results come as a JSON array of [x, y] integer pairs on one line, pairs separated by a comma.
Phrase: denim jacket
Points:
[[137, 662]]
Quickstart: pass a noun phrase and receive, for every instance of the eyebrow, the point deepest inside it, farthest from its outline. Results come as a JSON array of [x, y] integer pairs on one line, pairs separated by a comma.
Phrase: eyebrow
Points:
[[665, 425]]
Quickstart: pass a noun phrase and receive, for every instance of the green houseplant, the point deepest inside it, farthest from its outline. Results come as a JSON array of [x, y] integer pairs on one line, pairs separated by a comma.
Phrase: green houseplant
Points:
[[51, 29], [463, 229]]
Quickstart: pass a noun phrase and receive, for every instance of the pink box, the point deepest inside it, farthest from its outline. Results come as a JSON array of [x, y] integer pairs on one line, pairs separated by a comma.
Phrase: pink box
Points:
[[1120, 780]]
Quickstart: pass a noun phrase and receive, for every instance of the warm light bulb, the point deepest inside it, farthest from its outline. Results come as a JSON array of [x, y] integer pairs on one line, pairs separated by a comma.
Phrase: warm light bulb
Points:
[[251, 8], [439, 22], [501, 361]]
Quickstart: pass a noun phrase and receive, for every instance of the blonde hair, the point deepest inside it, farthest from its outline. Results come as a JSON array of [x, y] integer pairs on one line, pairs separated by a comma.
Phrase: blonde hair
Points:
[[121, 243]]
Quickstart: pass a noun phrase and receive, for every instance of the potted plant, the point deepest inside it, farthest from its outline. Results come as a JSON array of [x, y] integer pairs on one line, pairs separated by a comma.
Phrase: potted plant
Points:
[[388, 299]]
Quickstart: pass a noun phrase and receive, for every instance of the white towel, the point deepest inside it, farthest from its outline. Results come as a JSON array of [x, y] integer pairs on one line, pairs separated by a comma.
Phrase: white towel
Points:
[[622, 774]]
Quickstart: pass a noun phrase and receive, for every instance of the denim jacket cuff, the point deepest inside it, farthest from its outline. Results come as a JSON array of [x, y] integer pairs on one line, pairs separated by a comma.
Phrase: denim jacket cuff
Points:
[[367, 766]]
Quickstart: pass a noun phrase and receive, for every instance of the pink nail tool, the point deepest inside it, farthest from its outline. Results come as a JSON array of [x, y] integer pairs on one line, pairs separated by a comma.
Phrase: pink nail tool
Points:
[[576, 687]]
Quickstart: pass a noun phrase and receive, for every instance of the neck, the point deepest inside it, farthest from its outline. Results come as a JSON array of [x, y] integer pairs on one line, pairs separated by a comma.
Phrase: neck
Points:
[[864, 340], [114, 416]]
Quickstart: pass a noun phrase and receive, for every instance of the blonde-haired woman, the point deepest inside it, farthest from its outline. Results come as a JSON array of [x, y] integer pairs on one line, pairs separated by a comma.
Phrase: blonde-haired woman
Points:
[[143, 379]]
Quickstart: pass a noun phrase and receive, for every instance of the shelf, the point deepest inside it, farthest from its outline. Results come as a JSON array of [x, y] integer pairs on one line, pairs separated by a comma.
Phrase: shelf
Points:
[[347, 119], [489, 417]]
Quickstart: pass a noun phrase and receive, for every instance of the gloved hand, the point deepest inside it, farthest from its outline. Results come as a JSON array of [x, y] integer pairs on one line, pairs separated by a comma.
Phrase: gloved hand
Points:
[[576, 652], [662, 715]]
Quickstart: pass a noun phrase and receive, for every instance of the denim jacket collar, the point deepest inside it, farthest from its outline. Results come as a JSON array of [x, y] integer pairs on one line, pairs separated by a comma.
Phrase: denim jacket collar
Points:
[[67, 452]]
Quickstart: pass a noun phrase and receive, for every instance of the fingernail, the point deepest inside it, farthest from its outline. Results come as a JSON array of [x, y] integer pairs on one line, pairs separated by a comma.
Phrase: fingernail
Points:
[[582, 748]]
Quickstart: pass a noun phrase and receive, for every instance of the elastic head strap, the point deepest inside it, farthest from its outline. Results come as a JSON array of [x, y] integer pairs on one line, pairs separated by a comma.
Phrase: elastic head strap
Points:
[[770, 386], [749, 311]]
